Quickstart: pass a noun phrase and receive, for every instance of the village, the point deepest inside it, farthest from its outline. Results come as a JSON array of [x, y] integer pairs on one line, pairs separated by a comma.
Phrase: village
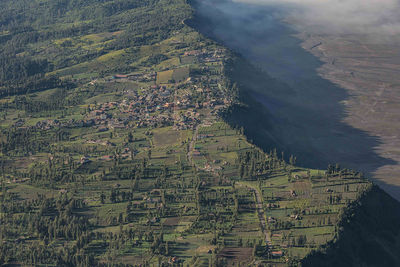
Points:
[[155, 105]]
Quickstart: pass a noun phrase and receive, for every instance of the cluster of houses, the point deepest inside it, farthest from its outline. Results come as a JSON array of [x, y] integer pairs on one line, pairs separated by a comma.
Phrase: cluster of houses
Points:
[[47, 124], [151, 108], [139, 77], [54, 123], [154, 106], [207, 55], [17, 180], [187, 120]]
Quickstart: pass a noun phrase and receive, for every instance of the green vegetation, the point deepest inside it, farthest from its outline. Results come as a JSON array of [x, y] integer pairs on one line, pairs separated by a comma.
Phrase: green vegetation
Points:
[[116, 149]]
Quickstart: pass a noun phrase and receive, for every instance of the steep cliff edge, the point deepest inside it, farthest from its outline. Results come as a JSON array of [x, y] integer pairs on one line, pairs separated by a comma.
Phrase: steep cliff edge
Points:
[[369, 234]]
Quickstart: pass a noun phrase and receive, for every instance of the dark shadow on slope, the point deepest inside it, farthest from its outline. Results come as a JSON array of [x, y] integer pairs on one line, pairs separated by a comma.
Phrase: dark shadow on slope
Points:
[[291, 108], [369, 235]]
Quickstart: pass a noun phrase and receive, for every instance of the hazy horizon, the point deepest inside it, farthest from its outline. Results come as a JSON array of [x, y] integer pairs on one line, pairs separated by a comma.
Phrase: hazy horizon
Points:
[[367, 17]]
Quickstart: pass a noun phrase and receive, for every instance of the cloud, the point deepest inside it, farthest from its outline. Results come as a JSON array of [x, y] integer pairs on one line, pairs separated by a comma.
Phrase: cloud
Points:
[[341, 16]]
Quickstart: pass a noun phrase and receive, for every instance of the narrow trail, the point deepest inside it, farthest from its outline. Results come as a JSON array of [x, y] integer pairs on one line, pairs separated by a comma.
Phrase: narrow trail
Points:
[[260, 212], [191, 144]]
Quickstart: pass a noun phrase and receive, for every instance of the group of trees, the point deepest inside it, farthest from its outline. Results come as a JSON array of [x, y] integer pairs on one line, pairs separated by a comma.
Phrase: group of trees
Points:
[[255, 164], [46, 219]]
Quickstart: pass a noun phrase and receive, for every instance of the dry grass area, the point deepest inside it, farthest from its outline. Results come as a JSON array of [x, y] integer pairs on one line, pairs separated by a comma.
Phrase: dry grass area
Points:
[[172, 221], [164, 76], [165, 137], [236, 255]]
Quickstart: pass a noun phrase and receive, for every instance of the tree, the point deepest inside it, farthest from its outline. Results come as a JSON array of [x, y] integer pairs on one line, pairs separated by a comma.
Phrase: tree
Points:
[[301, 241], [166, 248], [130, 137]]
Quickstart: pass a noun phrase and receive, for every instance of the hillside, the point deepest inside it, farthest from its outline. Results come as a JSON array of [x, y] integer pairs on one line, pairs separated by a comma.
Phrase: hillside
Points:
[[125, 141], [369, 234]]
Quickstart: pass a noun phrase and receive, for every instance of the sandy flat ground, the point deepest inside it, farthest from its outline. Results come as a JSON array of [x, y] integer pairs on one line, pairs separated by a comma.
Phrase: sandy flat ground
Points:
[[370, 71]]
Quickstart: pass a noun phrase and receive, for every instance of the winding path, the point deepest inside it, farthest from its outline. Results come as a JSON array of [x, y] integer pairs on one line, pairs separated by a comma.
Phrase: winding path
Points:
[[260, 212], [192, 143]]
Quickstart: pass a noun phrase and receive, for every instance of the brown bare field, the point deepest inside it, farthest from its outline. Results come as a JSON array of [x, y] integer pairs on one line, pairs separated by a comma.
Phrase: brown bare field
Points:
[[173, 221], [165, 137], [236, 254], [301, 186]]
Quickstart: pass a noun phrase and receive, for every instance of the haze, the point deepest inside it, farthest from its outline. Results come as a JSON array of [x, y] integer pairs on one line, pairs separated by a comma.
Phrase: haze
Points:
[[372, 17]]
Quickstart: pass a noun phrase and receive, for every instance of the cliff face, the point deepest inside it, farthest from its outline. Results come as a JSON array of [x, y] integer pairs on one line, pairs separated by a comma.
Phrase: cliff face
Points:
[[309, 120], [369, 71], [369, 234]]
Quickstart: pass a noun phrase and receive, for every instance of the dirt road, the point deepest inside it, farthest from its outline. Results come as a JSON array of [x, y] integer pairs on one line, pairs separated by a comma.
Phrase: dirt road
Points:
[[192, 143], [260, 212]]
